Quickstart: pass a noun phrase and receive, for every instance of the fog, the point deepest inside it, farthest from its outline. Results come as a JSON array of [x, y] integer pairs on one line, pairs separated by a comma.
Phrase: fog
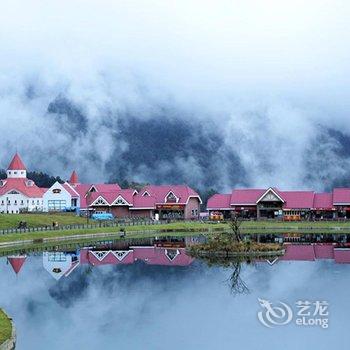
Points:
[[261, 87], [144, 307]]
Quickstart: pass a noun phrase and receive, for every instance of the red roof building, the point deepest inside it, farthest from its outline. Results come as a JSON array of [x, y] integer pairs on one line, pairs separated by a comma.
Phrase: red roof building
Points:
[[164, 202], [272, 202], [17, 193]]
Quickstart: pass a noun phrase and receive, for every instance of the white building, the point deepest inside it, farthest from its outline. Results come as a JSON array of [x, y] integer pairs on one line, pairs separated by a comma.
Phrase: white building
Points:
[[59, 264], [17, 193], [61, 197]]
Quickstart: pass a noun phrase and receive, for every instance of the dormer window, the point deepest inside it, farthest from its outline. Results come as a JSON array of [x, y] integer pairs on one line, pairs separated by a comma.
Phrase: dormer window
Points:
[[2, 183], [146, 194], [171, 198], [30, 183]]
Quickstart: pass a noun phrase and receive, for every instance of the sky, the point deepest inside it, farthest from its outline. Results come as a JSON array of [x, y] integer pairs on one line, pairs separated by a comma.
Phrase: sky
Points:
[[271, 77]]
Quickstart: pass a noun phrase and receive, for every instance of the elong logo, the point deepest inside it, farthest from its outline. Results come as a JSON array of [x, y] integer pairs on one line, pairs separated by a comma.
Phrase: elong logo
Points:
[[309, 313]]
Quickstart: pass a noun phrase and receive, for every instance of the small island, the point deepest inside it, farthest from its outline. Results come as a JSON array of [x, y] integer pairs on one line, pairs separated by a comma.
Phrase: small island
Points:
[[230, 244]]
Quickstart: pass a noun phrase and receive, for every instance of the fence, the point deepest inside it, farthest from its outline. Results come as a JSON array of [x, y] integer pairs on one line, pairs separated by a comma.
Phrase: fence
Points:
[[83, 226]]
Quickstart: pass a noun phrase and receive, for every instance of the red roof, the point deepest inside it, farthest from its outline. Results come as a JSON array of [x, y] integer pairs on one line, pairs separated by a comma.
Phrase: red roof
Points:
[[141, 202], [16, 163], [323, 201], [82, 189], [292, 199], [182, 192], [297, 199], [341, 196], [106, 187], [70, 190], [17, 262], [246, 196], [74, 178], [25, 186], [110, 197], [219, 201]]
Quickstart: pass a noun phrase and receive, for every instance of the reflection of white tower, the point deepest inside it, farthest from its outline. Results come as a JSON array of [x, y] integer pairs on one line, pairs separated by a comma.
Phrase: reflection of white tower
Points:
[[60, 264]]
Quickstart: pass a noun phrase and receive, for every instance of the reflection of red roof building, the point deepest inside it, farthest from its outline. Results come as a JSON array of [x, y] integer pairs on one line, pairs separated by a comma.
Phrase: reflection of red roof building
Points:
[[151, 255], [17, 262], [316, 251]]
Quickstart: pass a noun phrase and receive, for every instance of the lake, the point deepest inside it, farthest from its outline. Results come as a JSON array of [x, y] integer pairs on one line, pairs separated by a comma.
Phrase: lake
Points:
[[148, 297]]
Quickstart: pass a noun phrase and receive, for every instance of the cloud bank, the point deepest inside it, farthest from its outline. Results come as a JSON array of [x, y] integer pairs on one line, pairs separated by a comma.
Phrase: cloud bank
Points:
[[224, 94]]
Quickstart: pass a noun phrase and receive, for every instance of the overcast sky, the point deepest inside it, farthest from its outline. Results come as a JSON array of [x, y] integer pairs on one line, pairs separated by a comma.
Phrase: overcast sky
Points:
[[230, 60]]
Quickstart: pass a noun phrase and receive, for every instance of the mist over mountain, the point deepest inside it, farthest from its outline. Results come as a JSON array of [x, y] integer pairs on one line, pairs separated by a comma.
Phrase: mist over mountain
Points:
[[222, 95]]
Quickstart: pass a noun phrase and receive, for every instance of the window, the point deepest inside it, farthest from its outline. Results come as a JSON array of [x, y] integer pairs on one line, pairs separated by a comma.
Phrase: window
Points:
[[171, 198], [120, 201], [56, 204], [100, 201], [22, 202], [194, 212], [15, 202]]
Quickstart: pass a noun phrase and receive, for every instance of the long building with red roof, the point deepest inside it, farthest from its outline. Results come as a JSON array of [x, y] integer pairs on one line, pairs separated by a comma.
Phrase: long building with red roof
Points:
[[163, 202], [289, 205]]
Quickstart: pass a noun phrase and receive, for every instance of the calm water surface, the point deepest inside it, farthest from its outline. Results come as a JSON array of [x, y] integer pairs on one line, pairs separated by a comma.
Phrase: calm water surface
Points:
[[145, 306]]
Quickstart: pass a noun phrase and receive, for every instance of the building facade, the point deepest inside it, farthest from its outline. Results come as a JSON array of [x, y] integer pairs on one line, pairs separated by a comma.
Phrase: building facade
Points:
[[17, 193], [61, 197], [288, 205], [155, 202]]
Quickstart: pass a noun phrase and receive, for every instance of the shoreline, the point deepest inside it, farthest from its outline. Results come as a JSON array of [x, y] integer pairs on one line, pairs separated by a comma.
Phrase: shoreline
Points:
[[8, 342]]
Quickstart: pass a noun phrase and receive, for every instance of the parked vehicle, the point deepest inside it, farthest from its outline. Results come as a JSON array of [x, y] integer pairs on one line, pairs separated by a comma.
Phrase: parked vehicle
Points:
[[99, 215]]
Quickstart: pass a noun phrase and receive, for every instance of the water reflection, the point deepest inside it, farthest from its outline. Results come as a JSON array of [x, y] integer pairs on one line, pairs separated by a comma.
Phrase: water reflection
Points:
[[146, 296]]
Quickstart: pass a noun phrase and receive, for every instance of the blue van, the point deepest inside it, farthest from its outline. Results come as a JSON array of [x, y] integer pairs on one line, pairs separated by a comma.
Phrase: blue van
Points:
[[101, 215]]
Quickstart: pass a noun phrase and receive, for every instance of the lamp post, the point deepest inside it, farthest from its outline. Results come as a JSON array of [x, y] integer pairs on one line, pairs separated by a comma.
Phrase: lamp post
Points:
[[88, 194]]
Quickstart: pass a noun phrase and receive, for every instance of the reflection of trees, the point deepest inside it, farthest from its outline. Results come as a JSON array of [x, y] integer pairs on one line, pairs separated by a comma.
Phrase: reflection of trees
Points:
[[235, 281], [237, 285]]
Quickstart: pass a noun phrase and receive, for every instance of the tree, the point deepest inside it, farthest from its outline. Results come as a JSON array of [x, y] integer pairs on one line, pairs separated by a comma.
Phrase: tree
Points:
[[235, 224]]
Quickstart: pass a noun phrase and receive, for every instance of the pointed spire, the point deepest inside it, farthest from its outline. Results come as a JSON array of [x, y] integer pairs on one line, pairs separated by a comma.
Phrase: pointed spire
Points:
[[74, 178], [16, 163], [17, 262]]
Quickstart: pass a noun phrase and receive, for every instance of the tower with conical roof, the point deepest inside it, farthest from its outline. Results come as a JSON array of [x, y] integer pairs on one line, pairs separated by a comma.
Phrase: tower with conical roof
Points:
[[74, 180], [16, 169]]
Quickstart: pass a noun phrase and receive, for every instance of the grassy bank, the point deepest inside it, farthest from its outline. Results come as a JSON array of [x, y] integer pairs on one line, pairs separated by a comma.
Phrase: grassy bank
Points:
[[5, 327], [39, 220], [185, 227], [178, 226]]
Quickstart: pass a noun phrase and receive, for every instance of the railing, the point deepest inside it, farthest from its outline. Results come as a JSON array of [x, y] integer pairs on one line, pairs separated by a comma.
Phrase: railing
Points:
[[120, 224], [100, 224]]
